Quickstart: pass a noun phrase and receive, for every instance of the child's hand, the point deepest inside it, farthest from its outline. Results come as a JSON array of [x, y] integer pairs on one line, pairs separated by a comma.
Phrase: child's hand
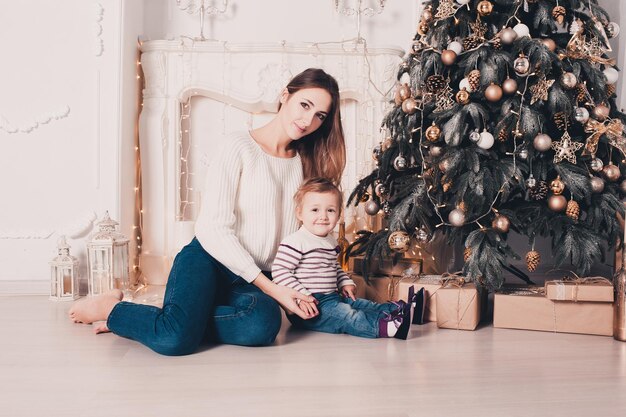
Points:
[[348, 291], [310, 308]]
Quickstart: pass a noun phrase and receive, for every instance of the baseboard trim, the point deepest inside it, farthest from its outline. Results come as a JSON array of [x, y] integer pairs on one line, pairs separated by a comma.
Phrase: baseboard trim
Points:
[[24, 287]]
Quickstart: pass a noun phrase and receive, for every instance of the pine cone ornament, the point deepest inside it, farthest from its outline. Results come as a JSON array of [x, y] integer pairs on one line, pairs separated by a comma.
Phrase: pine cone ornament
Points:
[[558, 13], [497, 43], [581, 92], [435, 83], [610, 90], [539, 192], [474, 79], [467, 253], [572, 210], [532, 260], [502, 135], [561, 120], [471, 42]]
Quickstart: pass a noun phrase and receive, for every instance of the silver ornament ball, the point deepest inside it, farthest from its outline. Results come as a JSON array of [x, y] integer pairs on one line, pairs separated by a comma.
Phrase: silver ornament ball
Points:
[[612, 29], [372, 207], [508, 36], [581, 114], [531, 182], [521, 66], [596, 164], [523, 154], [542, 142], [597, 185], [569, 80], [474, 136], [400, 163]]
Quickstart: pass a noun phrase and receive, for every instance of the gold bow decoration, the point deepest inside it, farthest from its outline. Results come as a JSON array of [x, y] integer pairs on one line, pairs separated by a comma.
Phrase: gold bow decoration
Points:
[[613, 130], [579, 48]]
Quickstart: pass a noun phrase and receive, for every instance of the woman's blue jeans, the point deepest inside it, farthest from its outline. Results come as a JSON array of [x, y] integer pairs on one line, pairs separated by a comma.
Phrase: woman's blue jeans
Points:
[[343, 315], [204, 301]]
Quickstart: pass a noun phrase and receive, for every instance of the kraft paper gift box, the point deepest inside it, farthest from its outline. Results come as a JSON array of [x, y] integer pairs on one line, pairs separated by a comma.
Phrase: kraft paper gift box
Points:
[[459, 306], [378, 290], [581, 289], [431, 284], [386, 267], [528, 309]]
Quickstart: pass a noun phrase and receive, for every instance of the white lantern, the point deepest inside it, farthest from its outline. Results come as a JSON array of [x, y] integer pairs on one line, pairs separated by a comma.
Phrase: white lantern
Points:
[[63, 274], [107, 256]]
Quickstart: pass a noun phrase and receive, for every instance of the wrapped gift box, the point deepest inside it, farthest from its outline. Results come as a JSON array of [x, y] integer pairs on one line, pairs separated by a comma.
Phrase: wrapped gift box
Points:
[[528, 309], [583, 289], [383, 289], [386, 267], [459, 306]]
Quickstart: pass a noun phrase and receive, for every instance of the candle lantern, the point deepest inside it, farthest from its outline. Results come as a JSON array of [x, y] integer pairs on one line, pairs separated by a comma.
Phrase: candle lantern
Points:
[[107, 256], [63, 274]]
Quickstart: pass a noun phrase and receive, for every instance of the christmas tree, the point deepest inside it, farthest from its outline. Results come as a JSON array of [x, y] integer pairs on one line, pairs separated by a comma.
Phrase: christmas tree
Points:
[[504, 119]]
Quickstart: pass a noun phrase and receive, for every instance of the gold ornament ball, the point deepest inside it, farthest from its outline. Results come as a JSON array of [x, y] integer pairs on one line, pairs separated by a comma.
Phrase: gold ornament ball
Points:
[[569, 80], [404, 91], [611, 172], [557, 203], [485, 8], [501, 223], [557, 186], [433, 132], [462, 97], [409, 106], [448, 57], [365, 197], [396, 97], [399, 241], [601, 112], [493, 93], [549, 43], [509, 86], [387, 143], [422, 28], [597, 185], [456, 217]]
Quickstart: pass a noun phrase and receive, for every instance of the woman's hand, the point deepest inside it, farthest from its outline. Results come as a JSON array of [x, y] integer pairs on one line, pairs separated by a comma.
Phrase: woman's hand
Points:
[[286, 297]]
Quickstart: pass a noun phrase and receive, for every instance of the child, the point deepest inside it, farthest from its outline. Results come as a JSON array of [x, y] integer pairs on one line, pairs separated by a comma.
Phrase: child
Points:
[[307, 261]]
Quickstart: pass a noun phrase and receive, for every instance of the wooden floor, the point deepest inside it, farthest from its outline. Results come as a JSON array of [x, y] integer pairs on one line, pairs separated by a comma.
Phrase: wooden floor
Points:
[[51, 367]]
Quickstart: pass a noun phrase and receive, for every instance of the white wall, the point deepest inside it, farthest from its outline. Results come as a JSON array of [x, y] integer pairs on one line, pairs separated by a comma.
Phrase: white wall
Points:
[[57, 176]]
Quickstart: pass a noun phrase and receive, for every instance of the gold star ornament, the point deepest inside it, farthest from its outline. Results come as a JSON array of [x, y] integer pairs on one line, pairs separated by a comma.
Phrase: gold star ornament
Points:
[[445, 10], [539, 91], [566, 149]]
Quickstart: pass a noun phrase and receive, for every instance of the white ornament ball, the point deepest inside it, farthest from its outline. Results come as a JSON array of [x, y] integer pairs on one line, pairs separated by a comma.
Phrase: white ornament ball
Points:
[[456, 47], [542, 142], [463, 2], [611, 75], [456, 217], [486, 140], [521, 30], [465, 84]]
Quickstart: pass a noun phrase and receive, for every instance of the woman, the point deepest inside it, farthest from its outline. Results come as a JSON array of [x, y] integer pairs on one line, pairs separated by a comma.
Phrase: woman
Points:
[[217, 288]]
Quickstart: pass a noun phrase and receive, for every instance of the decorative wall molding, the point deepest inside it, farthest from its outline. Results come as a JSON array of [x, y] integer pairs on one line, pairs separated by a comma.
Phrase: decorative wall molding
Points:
[[98, 46], [35, 122], [73, 229]]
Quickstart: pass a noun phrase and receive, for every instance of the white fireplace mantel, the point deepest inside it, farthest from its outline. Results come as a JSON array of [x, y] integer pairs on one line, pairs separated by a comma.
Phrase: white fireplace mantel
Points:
[[245, 78]]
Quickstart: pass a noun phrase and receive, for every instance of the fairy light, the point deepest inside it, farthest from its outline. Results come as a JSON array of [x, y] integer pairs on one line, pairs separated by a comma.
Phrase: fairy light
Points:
[[137, 278]]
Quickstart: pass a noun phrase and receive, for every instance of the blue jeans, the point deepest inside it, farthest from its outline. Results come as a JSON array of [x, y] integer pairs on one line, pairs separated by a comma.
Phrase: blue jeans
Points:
[[204, 301], [342, 315]]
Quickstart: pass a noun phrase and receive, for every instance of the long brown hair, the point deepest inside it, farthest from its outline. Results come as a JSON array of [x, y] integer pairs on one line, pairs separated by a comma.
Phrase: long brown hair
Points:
[[323, 152]]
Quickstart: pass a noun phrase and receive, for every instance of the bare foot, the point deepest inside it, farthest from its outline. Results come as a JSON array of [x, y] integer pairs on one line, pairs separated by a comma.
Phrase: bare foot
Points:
[[100, 327], [96, 308]]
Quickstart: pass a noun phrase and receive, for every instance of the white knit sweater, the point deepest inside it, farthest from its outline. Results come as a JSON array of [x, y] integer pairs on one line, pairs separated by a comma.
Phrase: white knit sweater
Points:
[[247, 205]]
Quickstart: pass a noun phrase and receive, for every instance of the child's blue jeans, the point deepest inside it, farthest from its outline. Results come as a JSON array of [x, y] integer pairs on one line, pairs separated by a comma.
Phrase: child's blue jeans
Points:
[[204, 301], [342, 315]]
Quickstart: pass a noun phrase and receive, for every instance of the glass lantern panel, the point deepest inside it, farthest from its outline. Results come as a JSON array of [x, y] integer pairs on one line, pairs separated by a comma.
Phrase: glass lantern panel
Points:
[[54, 282], [120, 267], [67, 280]]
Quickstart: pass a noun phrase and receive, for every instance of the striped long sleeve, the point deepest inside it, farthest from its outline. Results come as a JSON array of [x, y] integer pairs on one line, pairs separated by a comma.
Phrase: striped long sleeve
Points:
[[308, 263]]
